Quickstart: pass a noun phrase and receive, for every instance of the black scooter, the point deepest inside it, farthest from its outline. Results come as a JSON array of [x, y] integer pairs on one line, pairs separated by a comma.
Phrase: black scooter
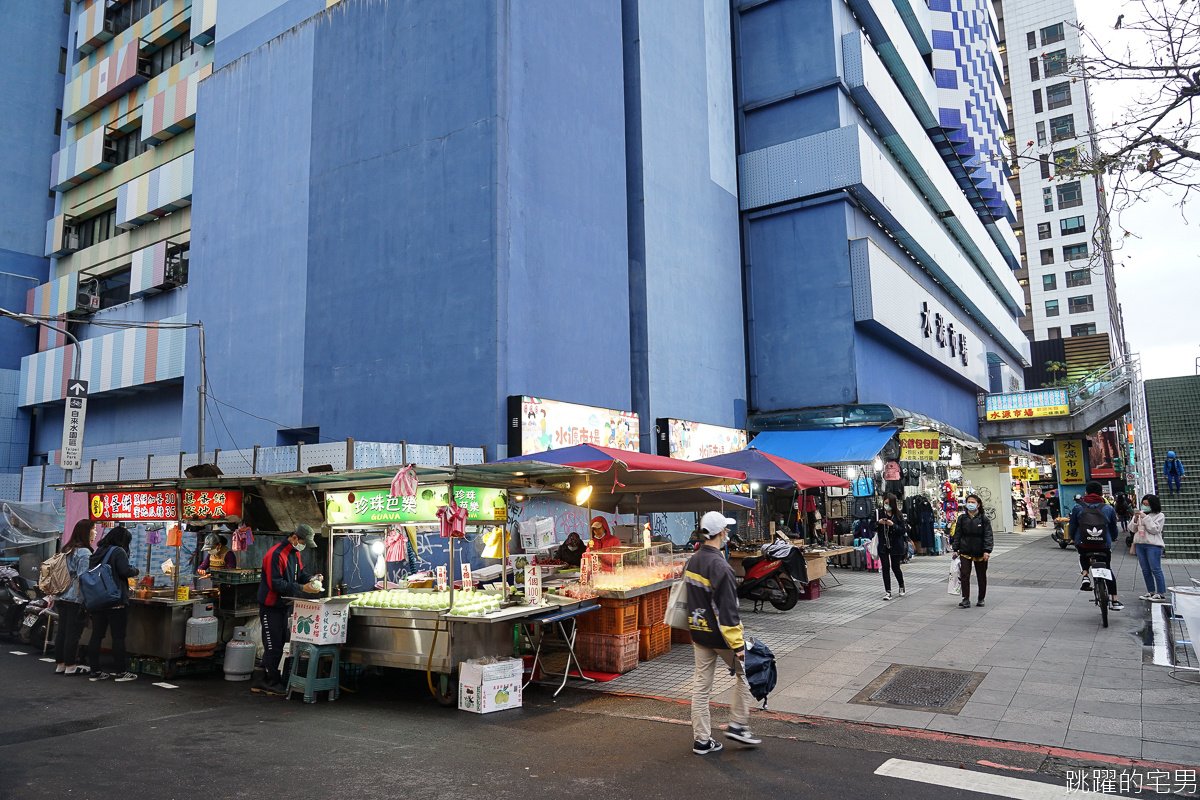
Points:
[[15, 594]]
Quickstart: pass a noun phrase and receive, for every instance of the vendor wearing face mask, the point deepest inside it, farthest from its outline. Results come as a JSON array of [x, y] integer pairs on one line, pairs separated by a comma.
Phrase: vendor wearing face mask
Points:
[[219, 555], [283, 576], [602, 537], [571, 551]]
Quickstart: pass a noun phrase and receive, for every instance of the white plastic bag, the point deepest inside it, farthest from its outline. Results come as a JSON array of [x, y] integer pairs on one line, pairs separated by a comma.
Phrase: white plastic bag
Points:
[[873, 546], [955, 577], [677, 611]]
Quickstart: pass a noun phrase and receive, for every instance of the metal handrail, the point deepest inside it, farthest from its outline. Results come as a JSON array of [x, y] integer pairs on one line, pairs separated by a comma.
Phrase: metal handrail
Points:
[[1114, 376]]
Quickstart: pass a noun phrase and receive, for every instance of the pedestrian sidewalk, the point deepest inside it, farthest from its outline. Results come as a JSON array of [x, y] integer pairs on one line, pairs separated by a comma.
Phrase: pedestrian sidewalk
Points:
[[1053, 675]]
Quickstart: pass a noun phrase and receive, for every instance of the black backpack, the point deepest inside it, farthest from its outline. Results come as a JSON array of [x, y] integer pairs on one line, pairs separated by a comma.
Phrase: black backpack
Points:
[[761, 673], [1093, 526]]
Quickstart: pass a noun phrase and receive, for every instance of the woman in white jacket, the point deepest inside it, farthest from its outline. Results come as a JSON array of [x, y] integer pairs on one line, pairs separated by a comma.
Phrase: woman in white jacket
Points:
[[1147, 528]]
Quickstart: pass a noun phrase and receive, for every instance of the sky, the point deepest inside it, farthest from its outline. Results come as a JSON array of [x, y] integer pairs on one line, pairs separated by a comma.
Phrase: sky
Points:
[[1158, 268]]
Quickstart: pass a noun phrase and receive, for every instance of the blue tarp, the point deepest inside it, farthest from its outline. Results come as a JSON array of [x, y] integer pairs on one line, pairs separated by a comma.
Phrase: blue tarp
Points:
[[833, 446]]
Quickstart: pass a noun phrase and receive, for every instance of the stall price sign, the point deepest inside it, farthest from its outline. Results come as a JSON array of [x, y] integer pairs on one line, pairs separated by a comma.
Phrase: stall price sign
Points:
[[204, 505], [1027, 405], [467, 583], [1070, 461], [133, 506], [920, 446], [377, 505], [441, 578], [533, 584]]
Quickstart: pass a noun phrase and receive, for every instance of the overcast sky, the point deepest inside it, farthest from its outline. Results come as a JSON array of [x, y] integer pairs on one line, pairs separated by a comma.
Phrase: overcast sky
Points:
[[1158, 273]]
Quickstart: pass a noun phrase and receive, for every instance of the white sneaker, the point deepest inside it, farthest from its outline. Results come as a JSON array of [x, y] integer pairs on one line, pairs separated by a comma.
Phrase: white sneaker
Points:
[[887, 595], [1147, 596], [60, 669], [902, 591]]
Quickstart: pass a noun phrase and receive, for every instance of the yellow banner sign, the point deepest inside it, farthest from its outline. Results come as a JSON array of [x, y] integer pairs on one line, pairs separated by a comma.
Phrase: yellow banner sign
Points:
[[919, 446], [1070, 461]]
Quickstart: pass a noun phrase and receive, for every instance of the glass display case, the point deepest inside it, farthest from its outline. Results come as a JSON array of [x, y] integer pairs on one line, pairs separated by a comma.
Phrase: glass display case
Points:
[[624, 568]]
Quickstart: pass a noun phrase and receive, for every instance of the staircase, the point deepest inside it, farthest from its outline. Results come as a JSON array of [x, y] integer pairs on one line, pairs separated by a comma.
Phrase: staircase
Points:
[[1173, 411]]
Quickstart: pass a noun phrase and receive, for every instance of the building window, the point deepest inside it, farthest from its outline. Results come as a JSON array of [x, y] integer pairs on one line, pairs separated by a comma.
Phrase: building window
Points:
[[1037, 101], [170, 54], [1081, 304], [1072, 225], [97, 229], [62, 60], [1070, 195], [1065, 160], [130, 146], [1044, 163], [1051, 308], [125, 15], [1054, 333], [1031, 40], [1048, 256], [1041, 134], [1052, 34], [1033, 69], [114, 288], [1074, 252], [1044, 231], [58, 122], [1054, 63], [1047, 199], [1049, 282], [1058, 95], [1086, 329], [1062, 127]]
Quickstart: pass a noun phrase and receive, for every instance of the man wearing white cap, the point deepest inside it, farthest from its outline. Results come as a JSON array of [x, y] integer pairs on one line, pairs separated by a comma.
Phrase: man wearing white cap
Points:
[[716, 632]]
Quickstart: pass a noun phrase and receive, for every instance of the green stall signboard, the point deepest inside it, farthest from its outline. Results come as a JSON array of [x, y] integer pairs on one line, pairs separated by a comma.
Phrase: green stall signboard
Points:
[[378, 506]]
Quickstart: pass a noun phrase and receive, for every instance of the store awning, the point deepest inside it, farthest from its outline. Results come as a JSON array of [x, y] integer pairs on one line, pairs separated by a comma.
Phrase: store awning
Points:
[[833, 446], [772, 470]]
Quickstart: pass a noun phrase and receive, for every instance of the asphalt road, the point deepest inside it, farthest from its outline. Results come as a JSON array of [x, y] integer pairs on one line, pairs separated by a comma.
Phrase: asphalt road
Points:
[[65, 737]]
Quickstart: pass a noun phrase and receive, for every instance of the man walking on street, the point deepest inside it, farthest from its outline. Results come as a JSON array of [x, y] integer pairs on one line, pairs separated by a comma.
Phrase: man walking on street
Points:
[[717, 632]]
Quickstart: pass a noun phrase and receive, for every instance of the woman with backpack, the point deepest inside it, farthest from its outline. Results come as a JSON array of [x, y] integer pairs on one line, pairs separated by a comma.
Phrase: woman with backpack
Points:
[[973, 546], [69, 604], [112, 550], [891, 544]]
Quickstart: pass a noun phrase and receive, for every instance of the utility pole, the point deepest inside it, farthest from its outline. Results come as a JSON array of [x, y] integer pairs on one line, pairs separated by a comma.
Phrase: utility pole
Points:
[[202, 388]]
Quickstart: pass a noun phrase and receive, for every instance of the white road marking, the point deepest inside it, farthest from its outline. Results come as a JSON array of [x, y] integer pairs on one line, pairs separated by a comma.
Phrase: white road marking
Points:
[[18, 652], [165, 685], [981, 782], [1161, 657], [48, 660]]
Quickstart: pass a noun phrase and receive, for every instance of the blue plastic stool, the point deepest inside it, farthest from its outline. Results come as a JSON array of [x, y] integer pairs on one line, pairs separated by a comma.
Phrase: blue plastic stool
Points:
[[306, 670]]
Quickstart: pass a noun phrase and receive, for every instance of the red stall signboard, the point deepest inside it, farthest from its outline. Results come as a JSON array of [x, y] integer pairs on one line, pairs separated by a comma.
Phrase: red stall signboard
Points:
[[211, 504], [133, 506]]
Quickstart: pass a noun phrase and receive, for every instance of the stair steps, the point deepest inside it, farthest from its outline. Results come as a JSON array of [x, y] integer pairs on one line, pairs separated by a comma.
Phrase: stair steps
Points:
[[1173, 412]]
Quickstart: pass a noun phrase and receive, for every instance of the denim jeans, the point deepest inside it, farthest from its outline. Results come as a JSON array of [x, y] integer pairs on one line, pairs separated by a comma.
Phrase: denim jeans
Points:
[[1174, 484], [1150, 558]]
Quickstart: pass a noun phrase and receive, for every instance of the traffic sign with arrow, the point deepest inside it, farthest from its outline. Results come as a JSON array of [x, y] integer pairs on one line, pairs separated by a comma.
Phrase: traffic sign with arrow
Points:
[[73, 417]]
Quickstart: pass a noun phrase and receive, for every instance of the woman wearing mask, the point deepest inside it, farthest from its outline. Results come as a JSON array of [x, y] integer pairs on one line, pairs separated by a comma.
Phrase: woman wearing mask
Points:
[[973, 544], [219, 555], [1147, 528], [891, 541], [70, 603], [115, 548], [571, 551]]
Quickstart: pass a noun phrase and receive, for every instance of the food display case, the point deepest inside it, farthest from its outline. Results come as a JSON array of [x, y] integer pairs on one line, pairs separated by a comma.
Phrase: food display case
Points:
[[632, 571]]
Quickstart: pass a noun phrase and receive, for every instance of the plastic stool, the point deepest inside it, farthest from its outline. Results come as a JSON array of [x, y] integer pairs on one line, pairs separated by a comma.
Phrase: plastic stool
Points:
[[307, 678]]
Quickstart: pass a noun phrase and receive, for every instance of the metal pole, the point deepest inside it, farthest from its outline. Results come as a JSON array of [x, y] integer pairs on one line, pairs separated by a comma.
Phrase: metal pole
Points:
[[202, 388]]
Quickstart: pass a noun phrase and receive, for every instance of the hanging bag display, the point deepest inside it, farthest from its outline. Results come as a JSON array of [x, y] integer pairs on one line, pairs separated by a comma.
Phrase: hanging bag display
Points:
[[864, 487], [99, 585], [864, 507]]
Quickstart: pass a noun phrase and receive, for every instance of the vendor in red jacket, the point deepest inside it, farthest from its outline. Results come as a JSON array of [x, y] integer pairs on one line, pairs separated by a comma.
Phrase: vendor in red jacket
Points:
[[602, 537], [283, 577]]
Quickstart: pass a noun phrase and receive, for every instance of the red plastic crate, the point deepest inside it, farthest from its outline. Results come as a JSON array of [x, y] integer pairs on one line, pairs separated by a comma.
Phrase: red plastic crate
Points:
[[614, 618], [603, 653], [654, 642], [652, 608]]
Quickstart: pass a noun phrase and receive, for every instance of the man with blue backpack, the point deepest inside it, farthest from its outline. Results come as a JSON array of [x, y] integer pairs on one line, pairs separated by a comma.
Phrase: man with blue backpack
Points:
[[1093, 528]]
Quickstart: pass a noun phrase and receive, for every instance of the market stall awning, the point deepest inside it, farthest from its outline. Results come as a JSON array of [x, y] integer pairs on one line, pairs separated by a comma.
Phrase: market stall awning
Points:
[[671, 500], [772, 470], [833, 446], [611, 470]]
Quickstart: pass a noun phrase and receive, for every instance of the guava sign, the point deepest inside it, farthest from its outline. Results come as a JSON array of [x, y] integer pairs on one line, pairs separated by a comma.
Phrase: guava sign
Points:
[[378, 506], [133, 506]]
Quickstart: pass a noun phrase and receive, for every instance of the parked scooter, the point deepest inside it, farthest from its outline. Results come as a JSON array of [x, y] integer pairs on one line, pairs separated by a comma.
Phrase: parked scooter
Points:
[[769, 577], [1060, 532], [35, 622], [15, 594]]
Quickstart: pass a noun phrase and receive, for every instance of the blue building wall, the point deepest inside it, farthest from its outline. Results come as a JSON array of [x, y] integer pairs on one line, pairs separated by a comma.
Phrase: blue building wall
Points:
[[114, 419], [435, 197], [243, 25], [688, 345]]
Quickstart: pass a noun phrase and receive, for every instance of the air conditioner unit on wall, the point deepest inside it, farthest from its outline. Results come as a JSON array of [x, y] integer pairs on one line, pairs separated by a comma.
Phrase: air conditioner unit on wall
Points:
[[175, 270], [144, 69], [70, 238], [87, 298]]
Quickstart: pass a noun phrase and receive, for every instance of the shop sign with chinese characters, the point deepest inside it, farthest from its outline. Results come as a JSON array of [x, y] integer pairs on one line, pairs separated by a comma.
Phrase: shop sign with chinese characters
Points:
[[1027, 405], [920, 446], [133, 506], [1070, 459], [200, 505], [377, 505], [690, 441], [537, 425]]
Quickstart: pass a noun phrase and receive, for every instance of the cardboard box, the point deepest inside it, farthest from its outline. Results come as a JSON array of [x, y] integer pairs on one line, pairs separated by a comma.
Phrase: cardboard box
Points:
[[321, 621], [484, 688], [538, 534]]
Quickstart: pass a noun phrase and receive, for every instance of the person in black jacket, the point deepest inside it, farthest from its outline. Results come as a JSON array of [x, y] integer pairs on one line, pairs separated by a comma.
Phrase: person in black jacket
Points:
[[283, 577], [891, 541], [973, 544], [114, 546]]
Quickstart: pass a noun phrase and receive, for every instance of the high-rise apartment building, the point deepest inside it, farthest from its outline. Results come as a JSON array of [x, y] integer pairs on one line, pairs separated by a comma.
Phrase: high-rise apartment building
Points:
[[1067, 265]]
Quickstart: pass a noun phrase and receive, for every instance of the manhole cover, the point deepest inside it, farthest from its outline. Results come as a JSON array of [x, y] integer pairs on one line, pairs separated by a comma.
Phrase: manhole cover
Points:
[[943, 691], [928, 688]]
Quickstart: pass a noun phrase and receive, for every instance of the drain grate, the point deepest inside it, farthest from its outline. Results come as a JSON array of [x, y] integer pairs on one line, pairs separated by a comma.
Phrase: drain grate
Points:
[[942, 691], [925, 688]]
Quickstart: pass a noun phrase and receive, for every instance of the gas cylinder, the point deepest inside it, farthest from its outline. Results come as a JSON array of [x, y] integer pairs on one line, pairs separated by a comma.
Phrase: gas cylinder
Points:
[[201, 637], [239, 657]]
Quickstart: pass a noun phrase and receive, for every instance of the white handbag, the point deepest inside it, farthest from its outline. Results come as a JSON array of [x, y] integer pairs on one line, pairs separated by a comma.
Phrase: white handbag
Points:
[[677, 611]]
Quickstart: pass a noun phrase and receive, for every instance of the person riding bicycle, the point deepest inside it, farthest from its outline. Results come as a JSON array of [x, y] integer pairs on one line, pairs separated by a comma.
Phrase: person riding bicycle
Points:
[[1093, 529]]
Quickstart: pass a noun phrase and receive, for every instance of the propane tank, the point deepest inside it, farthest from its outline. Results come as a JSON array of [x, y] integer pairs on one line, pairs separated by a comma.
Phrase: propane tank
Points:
[[201, 637], [239, 656]]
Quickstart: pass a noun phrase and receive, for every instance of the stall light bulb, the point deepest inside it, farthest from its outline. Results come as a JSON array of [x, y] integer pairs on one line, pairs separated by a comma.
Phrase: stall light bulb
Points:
[[377, 547], [878, 464], [851, 472], [754, 487], [583, 494], [518, 497]]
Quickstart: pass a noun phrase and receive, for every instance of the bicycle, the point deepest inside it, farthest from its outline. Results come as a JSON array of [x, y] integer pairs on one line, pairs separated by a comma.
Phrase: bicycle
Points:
[[1100, 574]]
